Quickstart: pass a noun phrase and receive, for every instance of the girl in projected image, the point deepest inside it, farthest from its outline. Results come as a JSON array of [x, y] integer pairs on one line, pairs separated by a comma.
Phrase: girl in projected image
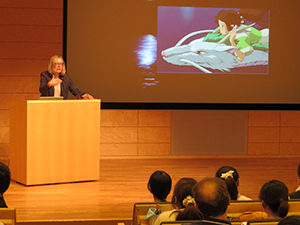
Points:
[[230, 20]]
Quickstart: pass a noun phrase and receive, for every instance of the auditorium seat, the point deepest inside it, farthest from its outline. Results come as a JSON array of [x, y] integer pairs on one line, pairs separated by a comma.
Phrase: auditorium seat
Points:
[[294, 207], [263, 222], [140, 210], [185, 222], [188, 222], [252, 222], [236, 208], [8, 216]]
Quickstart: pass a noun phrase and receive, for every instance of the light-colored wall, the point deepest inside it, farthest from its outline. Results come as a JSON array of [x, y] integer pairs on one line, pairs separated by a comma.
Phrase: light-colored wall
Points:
[[31, 32]]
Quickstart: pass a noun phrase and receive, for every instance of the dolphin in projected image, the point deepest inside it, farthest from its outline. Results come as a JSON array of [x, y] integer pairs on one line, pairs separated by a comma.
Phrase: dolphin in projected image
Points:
[[217, 56]]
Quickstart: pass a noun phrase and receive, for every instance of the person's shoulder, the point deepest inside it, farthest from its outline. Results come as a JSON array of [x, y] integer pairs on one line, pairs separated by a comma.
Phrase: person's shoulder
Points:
[[65, 76], [294, 195], [45, 73], [174, 211], [169, 215], [243, 198]]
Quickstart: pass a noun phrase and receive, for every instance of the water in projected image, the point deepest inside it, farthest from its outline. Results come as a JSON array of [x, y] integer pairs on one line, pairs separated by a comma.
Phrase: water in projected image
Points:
[[146, 57]]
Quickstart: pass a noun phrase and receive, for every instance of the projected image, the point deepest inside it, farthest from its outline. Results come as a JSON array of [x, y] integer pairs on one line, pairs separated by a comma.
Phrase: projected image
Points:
[[212, 40]]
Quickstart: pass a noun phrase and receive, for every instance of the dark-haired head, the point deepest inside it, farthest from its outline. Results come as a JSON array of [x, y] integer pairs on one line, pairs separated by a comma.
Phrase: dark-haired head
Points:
[[182, 189], [4, 178], [298, 171], [231, 178], [274, 195], [290, 220], [182, 199], [229, 17], [211, 197], [159, 185]]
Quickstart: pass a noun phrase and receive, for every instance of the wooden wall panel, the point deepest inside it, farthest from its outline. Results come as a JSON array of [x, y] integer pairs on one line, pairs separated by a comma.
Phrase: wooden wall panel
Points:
[[19, 84], [290, 131], [274, 132], [31, 16], [264, 118], [23, 67], [4, 150], [4, 135], [124, 118], [4, 118], [263, 148], [290, 134], [290, 148], [135, 132], [113, 135], [5, 160], [266, 135], [154, 118], [30, 33], [120, 127], [32, 3], [29, 50], [118, 133], [154, 135], [154, 149], [5, 98], [290, 118], [118, 149], [263, 134]]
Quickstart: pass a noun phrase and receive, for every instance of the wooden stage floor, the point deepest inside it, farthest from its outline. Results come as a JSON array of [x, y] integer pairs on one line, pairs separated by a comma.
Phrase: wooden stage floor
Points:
[[123, 182]]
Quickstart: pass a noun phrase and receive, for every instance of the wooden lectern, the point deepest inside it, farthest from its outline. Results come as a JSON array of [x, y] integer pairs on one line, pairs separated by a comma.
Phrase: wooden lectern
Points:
[[54, 141]]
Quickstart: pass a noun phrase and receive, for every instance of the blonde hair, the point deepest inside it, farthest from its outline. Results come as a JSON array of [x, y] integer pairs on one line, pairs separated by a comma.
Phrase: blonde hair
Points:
[[51, 64]]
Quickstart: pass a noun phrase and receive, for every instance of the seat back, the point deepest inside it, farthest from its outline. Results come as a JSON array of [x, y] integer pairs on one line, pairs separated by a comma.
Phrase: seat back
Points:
[[263, 222], [8, 216], [294, 207], [181, 222], [188, 222], [236, 208], [140, 210]]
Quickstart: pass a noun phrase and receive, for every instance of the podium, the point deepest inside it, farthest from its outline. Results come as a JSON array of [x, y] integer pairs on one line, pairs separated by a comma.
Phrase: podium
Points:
[[54, 141]]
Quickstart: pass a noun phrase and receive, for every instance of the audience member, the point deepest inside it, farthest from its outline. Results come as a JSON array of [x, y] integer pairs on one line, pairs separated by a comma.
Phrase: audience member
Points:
[[296, 194], [231, 178], [159, 185], [182, 199], [212, 199], [290, 220], [274, 198], [4, 183]]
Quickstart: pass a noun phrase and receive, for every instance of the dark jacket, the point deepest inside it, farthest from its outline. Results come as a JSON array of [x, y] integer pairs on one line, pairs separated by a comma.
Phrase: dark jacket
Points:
[[66, 85]]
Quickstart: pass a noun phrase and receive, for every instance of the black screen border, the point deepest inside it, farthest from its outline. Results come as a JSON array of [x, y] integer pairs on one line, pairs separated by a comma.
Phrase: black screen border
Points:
[[177, 106]]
